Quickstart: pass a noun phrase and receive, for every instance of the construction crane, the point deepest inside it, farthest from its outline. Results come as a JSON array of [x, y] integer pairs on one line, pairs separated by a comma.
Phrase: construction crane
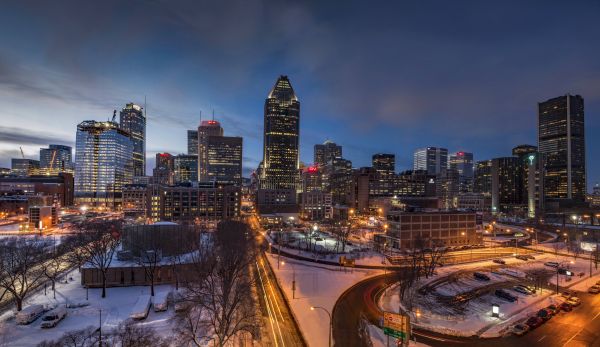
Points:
[[22, 154], [52, 162]]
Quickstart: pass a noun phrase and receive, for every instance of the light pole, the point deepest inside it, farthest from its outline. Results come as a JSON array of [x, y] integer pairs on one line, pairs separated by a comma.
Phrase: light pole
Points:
[[330, 321], [293, 279], [100, 330]]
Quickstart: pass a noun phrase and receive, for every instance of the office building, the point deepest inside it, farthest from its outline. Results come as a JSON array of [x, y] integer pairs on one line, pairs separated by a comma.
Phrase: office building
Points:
[[532, 163], [447, 188], [483, 177], [42, 217], [224, 160], [312, 179], [507, 185], [281, 162], [337, 180], [431, 159], [133, 120], [24, 167], [103, 163], [561, 139], [192, 142], [185, 168], [206, 129], [316, 206], [59, 188], [326, 152], [385, 172], [136, 200], [414, 183], [164, 170], [56, 159], [408, 230], [462, 162]]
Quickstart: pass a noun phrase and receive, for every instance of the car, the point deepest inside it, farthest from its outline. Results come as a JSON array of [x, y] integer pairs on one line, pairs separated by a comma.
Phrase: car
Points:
[[574, 301], [553, 309], [565, 306], [499, 261], [551, 264], [505, 295], [534, 322], [51, 319], [529, 256], [480, 276], [530, 288], [594, 289], [598, 283], [520, 329], [29, 314], [544, 314], [521, 257], [521, 290], [567, 294]]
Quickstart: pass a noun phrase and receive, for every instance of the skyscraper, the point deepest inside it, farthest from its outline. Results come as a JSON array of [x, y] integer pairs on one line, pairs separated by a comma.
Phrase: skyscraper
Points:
[[185, 168], [133, 121], [532, 164], [432, 159], [281, 161], [206, 129], [507, 184], [384, 164], [462, 162], [103, 163], [164, 171], [561, 139], [24, 167], [192, 142], [55, 159], [325, 152], [224, 155]]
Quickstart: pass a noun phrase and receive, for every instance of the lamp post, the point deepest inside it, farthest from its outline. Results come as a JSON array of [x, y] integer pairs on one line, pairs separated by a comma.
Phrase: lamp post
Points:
[[330, 321], [293, 279]]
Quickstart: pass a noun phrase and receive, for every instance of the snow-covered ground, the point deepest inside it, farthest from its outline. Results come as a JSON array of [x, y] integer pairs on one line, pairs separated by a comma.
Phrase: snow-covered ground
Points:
[[316, 285], [116, 308], [476, 319], [379, 339]]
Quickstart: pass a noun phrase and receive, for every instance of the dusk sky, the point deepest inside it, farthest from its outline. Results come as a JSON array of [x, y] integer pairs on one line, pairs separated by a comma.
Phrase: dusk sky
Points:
[[371, 76]]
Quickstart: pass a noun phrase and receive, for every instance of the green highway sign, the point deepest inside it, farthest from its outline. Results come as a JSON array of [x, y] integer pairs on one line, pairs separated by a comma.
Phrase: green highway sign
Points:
[[394, 333]]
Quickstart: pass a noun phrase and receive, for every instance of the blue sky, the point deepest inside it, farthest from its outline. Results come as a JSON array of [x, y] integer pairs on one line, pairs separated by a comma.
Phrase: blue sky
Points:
[[373, 77]]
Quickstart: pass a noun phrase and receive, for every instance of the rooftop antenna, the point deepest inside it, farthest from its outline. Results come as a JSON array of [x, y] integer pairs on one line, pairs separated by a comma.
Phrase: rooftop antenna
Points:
[[145, 110], [200, 116], [213, 114]]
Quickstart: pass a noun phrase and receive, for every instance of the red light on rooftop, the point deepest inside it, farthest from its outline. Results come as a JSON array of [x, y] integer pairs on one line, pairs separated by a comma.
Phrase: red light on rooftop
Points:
[[461, 153], [312, 169]]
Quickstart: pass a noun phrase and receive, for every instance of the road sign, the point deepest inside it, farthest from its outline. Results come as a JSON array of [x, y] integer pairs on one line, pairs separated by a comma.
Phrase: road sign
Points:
[[396, 325]]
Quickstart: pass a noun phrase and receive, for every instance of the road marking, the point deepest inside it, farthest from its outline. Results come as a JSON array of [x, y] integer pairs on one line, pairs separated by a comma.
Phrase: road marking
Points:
[[541, 338], [580, 330]]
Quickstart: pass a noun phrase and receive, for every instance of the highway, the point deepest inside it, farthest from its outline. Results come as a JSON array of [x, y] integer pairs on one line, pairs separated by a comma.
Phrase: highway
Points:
[[280, 328], [581, 327]]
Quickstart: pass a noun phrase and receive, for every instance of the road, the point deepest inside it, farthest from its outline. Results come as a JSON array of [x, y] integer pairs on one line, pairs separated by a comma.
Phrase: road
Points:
[[280, 328], [581, 327]]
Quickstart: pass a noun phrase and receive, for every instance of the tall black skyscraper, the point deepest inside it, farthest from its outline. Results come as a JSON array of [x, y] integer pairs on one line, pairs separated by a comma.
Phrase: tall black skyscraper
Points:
[[561, 139], [280, 165], [133, 120], [326, 152]]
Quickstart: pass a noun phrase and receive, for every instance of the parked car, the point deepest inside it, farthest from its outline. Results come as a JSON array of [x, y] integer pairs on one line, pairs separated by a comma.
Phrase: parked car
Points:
[[553, 309], [78, 304], [29, 314], [499, 261], [141, 308], [594, 289], [180, 304], [521, 257], [521, 290], [51, 319], [534, 322], [161, 301], [520, 329], [565, 306], [598, 283], [529, 256], [551, 264], [480, 276], [574, 301], [544, 314], [505, 295], [531, 289], [567, 294]]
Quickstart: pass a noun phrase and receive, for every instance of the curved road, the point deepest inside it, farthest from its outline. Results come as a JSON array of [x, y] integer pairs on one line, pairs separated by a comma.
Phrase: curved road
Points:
[[578, 328]]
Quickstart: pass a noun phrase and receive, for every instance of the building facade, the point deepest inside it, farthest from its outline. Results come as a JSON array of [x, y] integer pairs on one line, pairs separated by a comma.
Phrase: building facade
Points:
[[326, 152], [56, 159], [561, 139], [316, 205], [133, 120], [462, 162], [185, 168], [431, 159], [24, 167], [281, 161], [103, 163], [59, 187], [192, 142], [224, 160], [206, 129]]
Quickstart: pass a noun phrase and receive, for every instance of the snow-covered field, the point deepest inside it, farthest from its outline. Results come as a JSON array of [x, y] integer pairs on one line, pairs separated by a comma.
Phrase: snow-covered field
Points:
[[316, 285], [116, 308], [476, 317]]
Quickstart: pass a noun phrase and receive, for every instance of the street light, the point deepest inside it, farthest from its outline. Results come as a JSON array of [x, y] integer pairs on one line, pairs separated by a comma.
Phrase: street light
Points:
[[495, 310], [330, 321], [293, 279]]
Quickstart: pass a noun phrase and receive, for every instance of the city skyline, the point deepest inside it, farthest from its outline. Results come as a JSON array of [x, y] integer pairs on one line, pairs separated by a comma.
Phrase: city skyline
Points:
[[494, 96]]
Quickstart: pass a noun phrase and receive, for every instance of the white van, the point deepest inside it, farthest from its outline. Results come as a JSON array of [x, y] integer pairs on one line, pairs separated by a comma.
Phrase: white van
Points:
[[51, 319], [29, 314], [161, 301], [180, 304], [141, 307]]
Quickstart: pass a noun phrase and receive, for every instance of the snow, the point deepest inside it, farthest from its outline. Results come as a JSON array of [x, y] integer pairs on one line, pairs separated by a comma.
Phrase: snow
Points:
[[316, 285], [116, 308], [477, 318], [379, 339]]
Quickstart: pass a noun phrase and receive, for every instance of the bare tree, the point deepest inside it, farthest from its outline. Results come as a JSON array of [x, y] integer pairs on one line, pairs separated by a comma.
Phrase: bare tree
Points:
[[86, 337], [220, 286], [130, 334], [21, 267], [342, 233], [149, 257], [98, 245], [433, 259]]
